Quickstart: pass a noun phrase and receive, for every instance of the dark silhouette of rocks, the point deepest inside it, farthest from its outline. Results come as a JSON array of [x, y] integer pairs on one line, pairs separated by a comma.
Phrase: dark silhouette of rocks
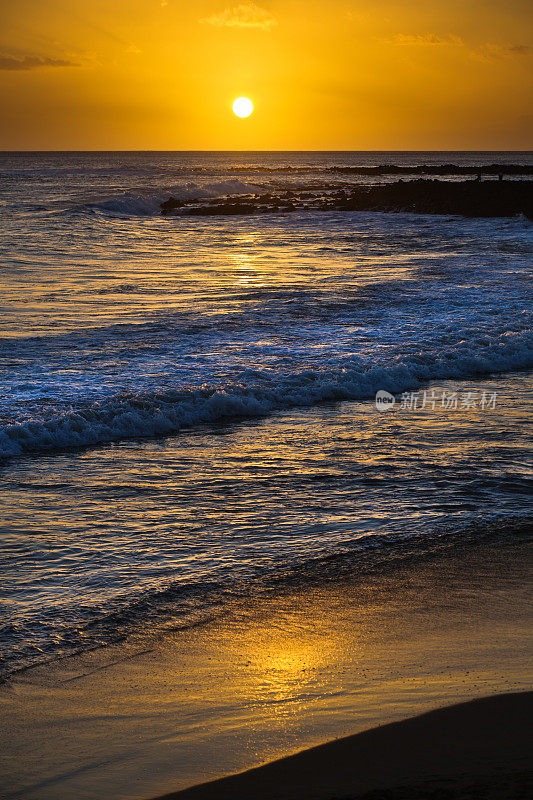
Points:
[[470, 198], [399, 169], [171, 205], [466, 198]]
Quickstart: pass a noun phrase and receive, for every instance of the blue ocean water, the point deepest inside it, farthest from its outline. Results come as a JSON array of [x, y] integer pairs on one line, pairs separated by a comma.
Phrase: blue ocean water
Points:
[[187, 403]]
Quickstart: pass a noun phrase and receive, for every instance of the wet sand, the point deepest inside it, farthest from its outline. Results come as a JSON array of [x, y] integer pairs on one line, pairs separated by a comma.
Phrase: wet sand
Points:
[[268, 676], [477, 749]]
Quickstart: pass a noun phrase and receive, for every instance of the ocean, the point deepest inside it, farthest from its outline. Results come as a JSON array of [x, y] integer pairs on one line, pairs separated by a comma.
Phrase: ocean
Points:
[[188, 403]]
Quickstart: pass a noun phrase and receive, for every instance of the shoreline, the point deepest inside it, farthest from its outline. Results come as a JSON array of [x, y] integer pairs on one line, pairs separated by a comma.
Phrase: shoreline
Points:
[[481, 745], [221, 558], [275, 675]]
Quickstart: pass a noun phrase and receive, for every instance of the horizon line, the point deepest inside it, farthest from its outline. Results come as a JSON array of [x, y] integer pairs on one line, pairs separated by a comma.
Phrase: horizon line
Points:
[[149, 150]]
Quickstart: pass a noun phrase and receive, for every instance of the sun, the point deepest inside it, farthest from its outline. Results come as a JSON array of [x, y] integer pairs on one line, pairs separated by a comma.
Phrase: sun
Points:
[[243, 107]]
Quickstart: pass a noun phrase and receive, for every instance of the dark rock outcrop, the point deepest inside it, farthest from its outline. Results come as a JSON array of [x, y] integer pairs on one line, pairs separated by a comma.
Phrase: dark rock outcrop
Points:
[[170, 205], [467, 198], [470, 198]]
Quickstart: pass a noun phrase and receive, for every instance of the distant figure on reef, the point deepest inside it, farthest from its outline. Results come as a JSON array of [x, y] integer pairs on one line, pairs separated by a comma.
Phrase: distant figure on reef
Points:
[[479, 176], [500, 176]]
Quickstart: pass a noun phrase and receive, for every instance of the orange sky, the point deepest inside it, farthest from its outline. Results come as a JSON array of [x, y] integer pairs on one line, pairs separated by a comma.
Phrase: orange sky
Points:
[[323, 74]]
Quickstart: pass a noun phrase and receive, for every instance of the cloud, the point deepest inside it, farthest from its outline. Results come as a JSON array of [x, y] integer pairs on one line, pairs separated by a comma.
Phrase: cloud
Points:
[[520, 50], [484, 52], [491, 51], [425, 39], [246, 15], [32, 62]]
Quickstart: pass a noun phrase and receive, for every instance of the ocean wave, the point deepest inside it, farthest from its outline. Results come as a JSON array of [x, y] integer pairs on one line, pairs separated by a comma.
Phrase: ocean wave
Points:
[[142, 416], [233, 197], [178, 606], [392, 169], [148, 201], [32, 174]]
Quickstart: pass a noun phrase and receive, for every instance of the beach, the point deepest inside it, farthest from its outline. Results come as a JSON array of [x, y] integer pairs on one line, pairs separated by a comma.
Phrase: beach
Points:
[[265, 476], [278, 673], [481, 748], [266, 400]]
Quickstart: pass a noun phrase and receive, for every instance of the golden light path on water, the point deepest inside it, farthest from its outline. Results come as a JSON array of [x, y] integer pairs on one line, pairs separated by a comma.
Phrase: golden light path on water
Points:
[[273, 675], [253, 325]]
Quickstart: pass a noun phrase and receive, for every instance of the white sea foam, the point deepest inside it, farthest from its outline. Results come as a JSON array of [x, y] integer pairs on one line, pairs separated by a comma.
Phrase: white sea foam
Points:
[[119, 325], [148, 201], [147, 416]]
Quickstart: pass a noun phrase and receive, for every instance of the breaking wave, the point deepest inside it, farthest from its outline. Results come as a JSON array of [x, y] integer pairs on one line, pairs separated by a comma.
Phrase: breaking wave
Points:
[[139, 416], [147, 201]]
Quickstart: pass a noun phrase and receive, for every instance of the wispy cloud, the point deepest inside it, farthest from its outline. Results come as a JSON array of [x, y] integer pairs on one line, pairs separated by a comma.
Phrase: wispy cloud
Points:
[[246, 15], [483, 52], [425, 39], [33, 62], [520, 50], [490, 51]]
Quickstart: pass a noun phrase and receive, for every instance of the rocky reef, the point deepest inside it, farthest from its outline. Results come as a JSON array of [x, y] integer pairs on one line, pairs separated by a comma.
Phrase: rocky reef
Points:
[[469, 198]]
